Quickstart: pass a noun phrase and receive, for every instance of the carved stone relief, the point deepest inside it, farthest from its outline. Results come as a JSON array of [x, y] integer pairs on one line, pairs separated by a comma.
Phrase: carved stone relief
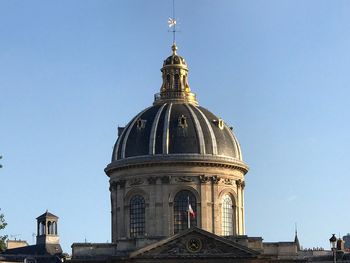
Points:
[[203, 179], [228, 181], [121, 183], [152, 180], [136, 181], [215, 179], [165, 179], [113, 186], [184, 179]]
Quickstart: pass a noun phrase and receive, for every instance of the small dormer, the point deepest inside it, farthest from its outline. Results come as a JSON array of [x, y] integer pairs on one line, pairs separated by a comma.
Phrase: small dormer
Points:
[[47, 229]]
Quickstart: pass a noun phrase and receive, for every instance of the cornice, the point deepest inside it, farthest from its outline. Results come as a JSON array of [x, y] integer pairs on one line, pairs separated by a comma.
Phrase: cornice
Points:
[[177, 160]]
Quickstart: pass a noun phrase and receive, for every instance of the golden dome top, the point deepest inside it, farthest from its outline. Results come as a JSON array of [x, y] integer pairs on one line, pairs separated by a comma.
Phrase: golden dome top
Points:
[[175, 85]]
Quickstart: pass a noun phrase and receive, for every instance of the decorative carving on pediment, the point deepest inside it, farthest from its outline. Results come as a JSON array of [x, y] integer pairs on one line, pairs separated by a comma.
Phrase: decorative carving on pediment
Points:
[[136, 181], [203, 179], [213, 247], [165, 179], [194, 245], [174, 248], [199, 245], [152, 180], [184, 179], [215, 179]]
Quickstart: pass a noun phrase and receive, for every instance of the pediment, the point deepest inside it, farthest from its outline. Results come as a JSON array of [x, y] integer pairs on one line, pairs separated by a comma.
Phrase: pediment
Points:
[[196, 243]]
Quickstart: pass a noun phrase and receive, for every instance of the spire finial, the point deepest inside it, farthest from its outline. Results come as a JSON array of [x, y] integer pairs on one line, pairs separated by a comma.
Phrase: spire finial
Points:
[[174, 48], [296, 239]]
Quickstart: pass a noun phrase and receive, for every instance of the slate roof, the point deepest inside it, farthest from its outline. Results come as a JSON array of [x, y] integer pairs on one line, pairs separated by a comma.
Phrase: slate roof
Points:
[[47, 214], [162, 133], [40, 249]]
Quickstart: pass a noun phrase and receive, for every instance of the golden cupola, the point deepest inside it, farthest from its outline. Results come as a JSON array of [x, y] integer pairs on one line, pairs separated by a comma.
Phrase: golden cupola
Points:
[[175, 85]]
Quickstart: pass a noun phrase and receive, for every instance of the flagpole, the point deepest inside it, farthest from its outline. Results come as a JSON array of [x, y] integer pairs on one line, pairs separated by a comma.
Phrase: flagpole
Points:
[[188, 213]]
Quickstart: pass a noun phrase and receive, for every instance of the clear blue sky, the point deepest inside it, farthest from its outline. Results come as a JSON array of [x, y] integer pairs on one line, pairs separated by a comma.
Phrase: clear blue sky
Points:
[[277, 71]]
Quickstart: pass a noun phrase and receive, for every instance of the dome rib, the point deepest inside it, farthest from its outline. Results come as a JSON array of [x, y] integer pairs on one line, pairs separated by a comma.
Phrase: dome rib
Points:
[[212, 135], [166, 130], [153, 136], [129, 130], [236, 143], [198, 129], [117, 150]]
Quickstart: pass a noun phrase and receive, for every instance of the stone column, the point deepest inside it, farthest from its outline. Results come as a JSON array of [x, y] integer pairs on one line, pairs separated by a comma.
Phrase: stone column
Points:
[[151, 219], [159, 215], [239, 208], [121, 226], [215, 207], [243, 221], [205, 194], [166, 208], [114, 222]]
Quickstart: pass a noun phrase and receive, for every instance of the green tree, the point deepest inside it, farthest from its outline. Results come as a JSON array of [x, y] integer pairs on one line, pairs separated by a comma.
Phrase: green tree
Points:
[[3, 224]]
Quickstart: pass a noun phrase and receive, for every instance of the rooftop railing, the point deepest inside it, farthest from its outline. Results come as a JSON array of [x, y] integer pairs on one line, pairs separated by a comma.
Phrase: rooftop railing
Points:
[[175, 95]]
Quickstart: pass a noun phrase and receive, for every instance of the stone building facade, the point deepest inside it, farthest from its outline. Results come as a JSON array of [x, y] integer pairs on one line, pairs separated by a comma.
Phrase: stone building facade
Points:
[[177, 180]]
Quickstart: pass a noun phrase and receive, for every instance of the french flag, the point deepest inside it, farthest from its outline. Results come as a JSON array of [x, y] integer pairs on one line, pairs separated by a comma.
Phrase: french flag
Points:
[[191, 212]]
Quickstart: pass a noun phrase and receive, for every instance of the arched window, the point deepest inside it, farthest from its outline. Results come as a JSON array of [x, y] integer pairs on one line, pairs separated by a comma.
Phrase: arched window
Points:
[[176, 84], [49, 228], [227, 216], [42, 228], [168, 80], [54, 228], [182, 201], [137, 216]]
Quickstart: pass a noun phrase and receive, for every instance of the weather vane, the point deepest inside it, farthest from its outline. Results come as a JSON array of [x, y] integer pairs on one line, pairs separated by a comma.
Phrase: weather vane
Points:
[[172, 23]]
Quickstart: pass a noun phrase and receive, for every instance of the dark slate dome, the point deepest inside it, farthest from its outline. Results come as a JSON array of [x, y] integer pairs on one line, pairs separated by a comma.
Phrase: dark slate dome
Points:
[[176, 128], [176, 125]]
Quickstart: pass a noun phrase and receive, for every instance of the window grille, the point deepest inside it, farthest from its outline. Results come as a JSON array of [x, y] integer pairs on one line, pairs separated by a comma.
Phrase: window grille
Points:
[[137, 216], [181, 210], [227, 216], [176, 86]]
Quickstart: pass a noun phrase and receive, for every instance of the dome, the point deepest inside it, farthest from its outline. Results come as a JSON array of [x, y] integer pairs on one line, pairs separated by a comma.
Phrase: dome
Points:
[[176, 128]]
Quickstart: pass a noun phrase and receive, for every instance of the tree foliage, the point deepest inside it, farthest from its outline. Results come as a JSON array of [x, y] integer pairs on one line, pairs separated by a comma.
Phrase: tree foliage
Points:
[[3, 224]]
